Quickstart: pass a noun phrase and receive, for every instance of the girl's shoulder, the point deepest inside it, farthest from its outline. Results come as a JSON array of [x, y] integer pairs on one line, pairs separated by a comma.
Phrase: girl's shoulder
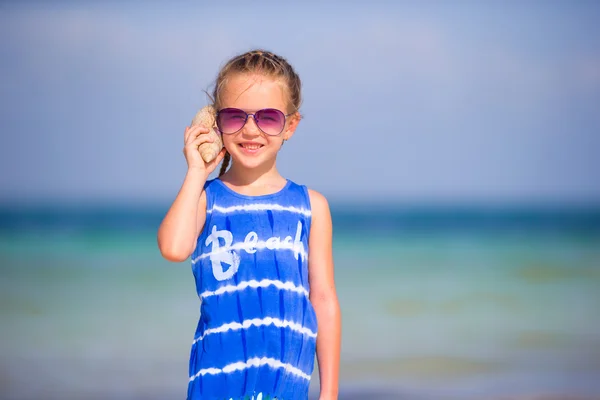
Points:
[[317, 201], [314, 197], [210, 182]]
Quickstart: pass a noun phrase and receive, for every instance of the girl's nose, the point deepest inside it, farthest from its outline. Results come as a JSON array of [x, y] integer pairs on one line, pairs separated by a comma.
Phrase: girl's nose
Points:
[[250, 127]]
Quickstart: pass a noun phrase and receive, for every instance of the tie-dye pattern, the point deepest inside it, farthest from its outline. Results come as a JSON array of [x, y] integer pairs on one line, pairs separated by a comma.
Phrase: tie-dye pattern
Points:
[[257, 330]]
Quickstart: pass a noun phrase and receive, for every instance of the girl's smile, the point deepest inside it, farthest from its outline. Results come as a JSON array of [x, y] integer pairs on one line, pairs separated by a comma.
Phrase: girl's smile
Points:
[[250, 148]]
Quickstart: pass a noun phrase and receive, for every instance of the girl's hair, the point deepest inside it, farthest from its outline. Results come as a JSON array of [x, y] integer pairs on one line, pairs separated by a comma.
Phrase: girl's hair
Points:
[[266, 64]]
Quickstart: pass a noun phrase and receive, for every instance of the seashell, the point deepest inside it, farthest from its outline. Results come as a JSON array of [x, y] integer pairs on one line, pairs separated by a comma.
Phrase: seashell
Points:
[[206, 118]]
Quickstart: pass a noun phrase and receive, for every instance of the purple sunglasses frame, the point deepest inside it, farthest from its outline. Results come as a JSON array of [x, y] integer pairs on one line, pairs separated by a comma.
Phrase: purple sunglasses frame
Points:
[[285, 116]]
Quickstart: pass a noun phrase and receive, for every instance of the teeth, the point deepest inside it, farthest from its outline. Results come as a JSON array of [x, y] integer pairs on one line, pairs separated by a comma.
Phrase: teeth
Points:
[[251, 146]]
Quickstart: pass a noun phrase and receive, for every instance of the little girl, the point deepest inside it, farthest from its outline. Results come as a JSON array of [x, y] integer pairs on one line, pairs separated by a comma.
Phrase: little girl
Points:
[[260, 245]]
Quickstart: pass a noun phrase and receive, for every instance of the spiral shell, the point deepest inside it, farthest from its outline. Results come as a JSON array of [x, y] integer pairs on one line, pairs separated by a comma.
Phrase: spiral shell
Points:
[[206, 118]]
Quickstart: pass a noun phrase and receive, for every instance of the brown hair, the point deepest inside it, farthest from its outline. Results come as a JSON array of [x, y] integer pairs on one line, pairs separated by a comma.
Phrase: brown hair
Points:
[[267, 64]]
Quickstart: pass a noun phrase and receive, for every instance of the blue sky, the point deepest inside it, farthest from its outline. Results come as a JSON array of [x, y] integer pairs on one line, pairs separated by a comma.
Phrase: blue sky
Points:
[[413, 102]]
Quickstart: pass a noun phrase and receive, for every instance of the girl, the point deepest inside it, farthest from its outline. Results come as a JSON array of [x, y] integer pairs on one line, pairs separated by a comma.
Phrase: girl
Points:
[[261, 247]]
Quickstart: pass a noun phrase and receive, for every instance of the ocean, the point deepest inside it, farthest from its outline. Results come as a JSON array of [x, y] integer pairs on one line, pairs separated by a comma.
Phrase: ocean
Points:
[[437, 303]]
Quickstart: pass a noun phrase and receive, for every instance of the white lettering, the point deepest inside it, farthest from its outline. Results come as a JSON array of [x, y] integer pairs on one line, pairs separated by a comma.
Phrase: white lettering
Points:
[[298, 246], [225, 253], [217, 257], [250, 242], [272, 243]]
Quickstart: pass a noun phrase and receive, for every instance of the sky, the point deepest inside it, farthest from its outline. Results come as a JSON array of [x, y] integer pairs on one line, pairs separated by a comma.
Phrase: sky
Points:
[[412, 102]]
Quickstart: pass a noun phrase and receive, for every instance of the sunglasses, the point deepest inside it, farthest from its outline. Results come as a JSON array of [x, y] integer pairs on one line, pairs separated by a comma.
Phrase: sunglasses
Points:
[[269, 120]]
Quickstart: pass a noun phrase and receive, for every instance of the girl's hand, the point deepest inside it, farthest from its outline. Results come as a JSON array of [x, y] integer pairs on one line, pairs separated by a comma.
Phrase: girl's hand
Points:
[[193, 137]]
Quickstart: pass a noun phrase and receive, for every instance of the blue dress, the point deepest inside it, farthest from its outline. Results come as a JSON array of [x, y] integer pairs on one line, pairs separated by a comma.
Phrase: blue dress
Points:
[[256, 336]]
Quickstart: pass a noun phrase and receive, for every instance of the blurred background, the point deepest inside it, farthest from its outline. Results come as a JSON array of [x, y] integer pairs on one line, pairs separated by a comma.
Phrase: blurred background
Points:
[[457, 142]]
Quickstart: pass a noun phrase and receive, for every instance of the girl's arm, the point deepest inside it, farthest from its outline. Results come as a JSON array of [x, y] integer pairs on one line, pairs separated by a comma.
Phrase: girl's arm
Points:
[[179, 230], [183, 223], [323, 295]]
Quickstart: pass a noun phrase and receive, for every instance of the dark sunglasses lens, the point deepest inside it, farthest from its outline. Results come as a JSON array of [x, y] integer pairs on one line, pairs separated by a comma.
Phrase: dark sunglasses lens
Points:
[[270, 121], [231, 120]]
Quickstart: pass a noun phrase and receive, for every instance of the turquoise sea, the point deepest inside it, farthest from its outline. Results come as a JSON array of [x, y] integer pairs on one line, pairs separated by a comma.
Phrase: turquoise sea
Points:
[[438, 303]]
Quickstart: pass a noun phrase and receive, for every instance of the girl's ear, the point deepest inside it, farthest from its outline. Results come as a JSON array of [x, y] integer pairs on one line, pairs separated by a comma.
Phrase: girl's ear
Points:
[[293, 122]]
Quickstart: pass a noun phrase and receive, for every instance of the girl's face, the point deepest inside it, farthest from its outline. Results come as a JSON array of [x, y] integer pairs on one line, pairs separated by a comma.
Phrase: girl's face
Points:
[[250, 147]]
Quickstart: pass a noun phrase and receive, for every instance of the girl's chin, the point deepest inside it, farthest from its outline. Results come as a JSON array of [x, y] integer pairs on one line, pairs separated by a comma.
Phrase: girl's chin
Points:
[[250, 161]]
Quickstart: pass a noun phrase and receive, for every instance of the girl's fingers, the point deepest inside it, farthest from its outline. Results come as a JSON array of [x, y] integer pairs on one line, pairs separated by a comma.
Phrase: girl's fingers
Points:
[[220, 155], [213, 164], [193, 131], [202, 138], [186, 134]]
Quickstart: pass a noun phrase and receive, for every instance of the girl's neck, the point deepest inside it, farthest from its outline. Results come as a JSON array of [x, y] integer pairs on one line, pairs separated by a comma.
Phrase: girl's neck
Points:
[[256, 177]]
